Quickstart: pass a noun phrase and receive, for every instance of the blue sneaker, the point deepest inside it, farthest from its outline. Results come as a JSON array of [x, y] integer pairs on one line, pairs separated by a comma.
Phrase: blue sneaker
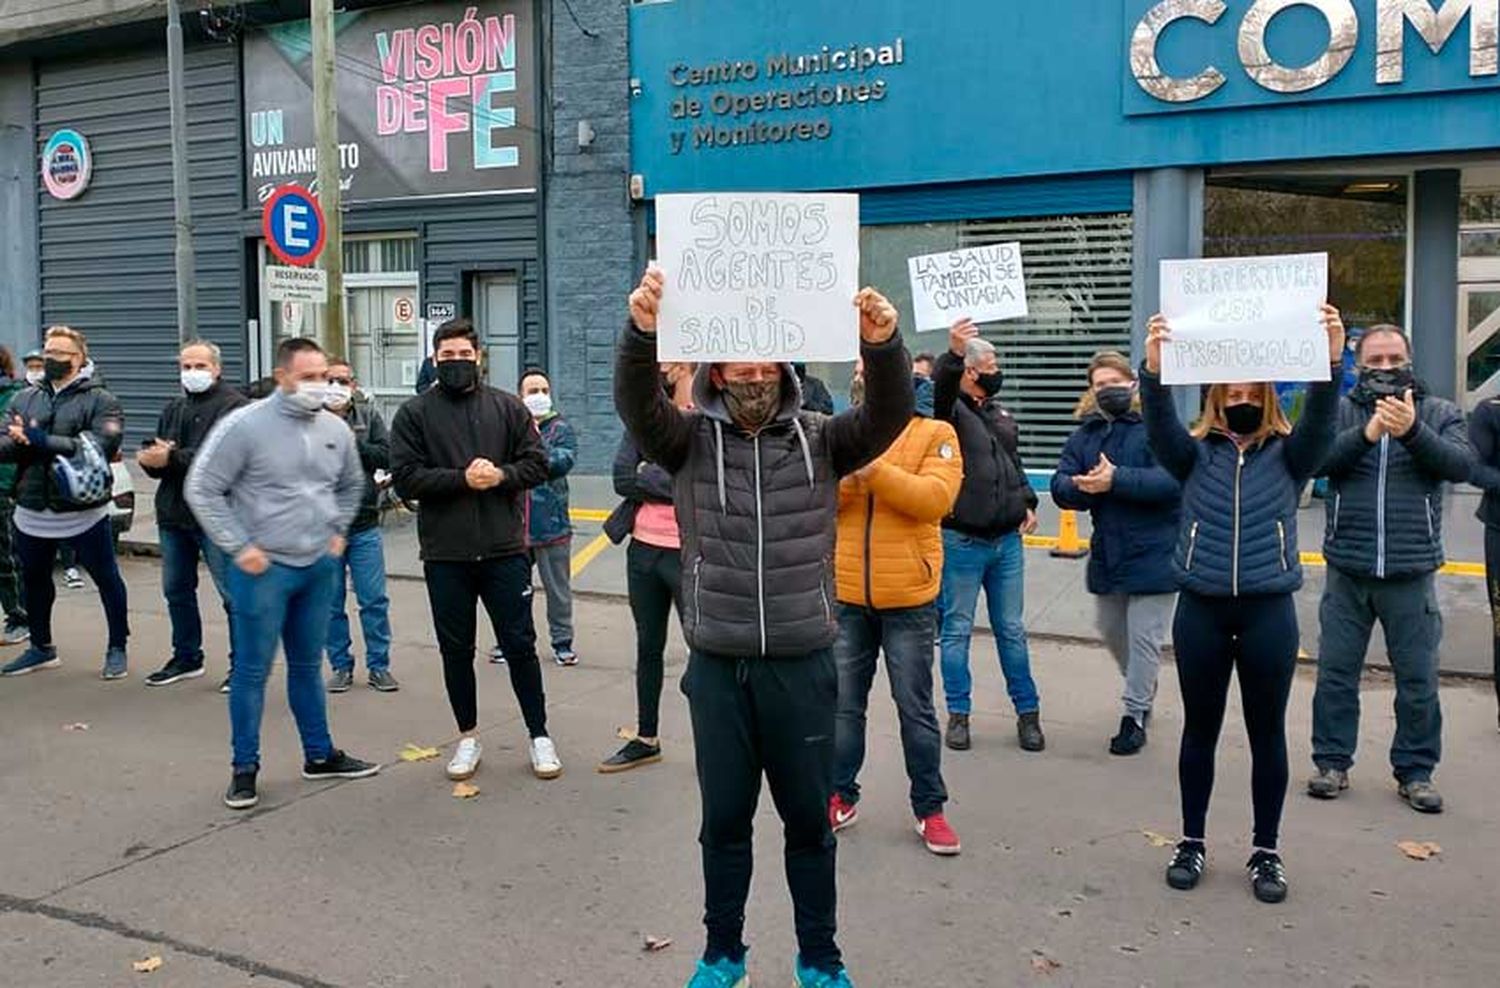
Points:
[[34, 658], [811, 977], [114, 664], [722, 973]]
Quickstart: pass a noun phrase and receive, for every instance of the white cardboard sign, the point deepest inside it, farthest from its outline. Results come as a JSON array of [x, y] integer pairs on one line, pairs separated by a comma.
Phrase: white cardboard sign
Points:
[[986, 284], [759, 276], [1245, 319]]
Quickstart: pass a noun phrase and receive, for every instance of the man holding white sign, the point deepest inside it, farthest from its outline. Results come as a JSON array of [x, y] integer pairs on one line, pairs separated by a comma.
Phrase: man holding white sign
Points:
[[756, 492]]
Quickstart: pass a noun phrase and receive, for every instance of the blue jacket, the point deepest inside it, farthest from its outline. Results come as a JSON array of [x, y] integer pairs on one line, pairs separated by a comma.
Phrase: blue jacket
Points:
[[1239, 525], [1385, 503], [550, 523], [1136, 522]]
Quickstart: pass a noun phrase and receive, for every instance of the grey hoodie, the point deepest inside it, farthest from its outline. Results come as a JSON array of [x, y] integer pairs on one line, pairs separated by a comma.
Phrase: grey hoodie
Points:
[[279, 478]]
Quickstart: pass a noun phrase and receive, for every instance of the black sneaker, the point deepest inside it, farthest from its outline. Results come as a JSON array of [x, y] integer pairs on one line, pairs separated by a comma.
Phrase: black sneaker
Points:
[[1029, 730], [382, 681], [635, 754], [341, 680], [1187, 865], [339, 766], [1267, 876], [1131, 739], [958, 732], [241, 794], [175, 671]]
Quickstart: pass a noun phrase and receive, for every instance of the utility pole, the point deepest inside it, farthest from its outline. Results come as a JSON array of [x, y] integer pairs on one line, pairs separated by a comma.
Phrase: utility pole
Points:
[[330, 197], [187, 279]]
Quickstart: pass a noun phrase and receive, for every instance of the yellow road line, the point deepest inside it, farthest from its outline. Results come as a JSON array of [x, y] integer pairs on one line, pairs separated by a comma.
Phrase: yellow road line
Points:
[[589, 553], [589, 514]]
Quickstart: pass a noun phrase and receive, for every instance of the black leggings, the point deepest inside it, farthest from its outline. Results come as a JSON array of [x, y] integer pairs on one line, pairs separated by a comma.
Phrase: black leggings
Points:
[[1214, 636], [654, 578], [1492, 574]]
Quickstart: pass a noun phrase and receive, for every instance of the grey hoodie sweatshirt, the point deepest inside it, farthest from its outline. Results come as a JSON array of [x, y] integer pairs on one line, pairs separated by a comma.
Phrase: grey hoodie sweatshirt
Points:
[[277, 477]]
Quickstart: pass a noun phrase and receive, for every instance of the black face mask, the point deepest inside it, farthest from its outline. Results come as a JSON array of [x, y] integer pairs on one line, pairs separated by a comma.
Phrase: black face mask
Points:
[[990, 383], [1244, 419], [458, 376], [1383, 383], [1116, 400], [56, 370]]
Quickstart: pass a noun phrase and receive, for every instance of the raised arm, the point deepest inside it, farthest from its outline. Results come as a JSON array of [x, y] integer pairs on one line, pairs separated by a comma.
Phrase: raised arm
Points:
[[859, 435], [1308, 445], [662, 430]]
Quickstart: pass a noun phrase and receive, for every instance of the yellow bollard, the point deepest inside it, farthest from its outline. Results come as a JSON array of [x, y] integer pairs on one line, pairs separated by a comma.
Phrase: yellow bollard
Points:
[[1069, 545]]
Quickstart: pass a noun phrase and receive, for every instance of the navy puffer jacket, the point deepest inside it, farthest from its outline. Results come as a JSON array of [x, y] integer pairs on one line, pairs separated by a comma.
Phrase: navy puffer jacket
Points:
[[1385, 504], [1136, 521], [1239, 509]]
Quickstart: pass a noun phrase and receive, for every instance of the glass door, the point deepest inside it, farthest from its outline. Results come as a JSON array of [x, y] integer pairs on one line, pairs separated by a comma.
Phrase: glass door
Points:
[[1479, 316]]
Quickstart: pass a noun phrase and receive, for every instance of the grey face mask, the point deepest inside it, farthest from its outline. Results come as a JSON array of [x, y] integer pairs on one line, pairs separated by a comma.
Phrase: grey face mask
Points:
[[752, 403]]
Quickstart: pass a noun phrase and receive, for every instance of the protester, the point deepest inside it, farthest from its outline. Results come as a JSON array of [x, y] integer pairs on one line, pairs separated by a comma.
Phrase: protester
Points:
[[1107, 470], [889, 567], [1396, 448], [815, 394], [756, 496], [550, 528], [180, 432], [468, 453], [653, 572], [275, 486], [15, 630], [1484, 436], [982, 547], [363, 559], [62, 435], [1242, 468], [36, 367], [921, 365]]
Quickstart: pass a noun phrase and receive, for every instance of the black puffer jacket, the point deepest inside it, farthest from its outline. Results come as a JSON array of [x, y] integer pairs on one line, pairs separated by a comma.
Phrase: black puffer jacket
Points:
[[758, 513], [83, 406], [1385, 500], [996, 494], [186, 422]]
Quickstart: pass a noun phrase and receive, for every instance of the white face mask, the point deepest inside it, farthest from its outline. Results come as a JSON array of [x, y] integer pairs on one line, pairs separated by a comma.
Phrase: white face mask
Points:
[[339, 395], [310, 396], [197, 381], [539, 404], [35, 376]]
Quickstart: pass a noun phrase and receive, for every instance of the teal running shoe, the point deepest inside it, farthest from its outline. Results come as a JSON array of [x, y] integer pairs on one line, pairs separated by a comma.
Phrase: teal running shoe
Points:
[[722, 973], [811, 977]]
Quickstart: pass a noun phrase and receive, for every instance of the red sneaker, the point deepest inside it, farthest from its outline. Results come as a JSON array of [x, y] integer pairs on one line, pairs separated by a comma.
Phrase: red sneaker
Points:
[[937, 835], [841, 814]]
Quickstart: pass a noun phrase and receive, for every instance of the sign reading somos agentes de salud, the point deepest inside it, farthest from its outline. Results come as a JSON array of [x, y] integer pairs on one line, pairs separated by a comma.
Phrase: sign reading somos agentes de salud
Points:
[[985, 284], [758, 277], [1245, 319]]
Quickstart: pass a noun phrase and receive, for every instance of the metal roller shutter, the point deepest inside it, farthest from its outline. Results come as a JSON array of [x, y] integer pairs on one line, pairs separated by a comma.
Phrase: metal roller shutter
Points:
[[106, 260], [1078, 283]]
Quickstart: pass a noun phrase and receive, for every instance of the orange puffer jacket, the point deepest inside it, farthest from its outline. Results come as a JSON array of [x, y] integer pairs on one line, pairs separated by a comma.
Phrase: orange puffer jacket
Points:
[[890, 545]]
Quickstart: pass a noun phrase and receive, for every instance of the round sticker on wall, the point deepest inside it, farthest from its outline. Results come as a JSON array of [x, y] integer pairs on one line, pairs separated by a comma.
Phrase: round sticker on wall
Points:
[[404, 310], [67, 164]]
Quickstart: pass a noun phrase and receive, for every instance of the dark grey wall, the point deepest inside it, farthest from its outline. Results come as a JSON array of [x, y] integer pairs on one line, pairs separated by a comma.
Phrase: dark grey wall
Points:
[[19, 317], [590, 255], [1434, 273]]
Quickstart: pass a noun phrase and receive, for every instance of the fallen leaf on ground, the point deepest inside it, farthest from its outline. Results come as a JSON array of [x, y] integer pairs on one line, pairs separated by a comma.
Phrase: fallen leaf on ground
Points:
[[1042, 964], [1157, 840], [1418, 850], [417, 753], [653, 944], [626, 733], [464, 790], [75, 727], [147, 966]]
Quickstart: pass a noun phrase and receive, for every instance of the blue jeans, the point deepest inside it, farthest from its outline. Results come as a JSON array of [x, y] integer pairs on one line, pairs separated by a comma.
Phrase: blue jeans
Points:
[[290, 604], [998, 568], [181, 549], [906, 637], [364, 559]]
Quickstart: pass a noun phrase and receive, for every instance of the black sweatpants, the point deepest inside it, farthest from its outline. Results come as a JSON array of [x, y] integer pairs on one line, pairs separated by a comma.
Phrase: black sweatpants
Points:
[[1257, 638], [504, 587], [774, 716], [653, 576], [1492, 574]]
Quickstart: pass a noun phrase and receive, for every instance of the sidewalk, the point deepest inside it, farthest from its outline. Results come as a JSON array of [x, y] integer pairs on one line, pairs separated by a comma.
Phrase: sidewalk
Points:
[[1057, 602]]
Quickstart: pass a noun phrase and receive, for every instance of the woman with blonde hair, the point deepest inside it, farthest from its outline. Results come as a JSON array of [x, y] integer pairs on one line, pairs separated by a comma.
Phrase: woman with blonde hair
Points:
[[1242, 467], [1107, 470]]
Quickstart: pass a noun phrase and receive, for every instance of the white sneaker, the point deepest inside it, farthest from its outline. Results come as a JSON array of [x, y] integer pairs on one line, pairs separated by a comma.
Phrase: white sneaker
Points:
[[544, 762], [465, 760]]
